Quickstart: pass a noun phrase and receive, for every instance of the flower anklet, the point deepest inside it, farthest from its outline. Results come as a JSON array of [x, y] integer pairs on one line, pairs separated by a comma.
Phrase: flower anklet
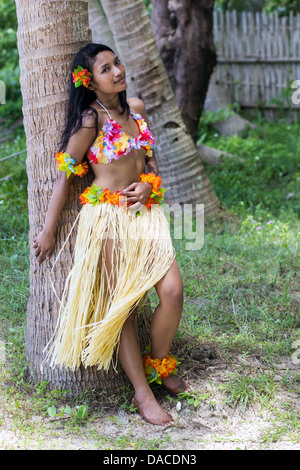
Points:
[[158, 369]]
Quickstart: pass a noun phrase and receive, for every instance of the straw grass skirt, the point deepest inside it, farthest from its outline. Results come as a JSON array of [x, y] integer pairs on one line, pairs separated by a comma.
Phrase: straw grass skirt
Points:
[[118, 257]]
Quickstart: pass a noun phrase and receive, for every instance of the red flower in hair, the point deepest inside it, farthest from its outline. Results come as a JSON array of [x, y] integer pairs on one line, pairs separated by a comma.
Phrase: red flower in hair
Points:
[[81, 77]]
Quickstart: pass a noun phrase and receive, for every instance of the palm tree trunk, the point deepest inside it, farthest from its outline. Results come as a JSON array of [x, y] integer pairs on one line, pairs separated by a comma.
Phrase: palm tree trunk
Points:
[[181, 169], [184, 36], [102, 33], [49, 34]]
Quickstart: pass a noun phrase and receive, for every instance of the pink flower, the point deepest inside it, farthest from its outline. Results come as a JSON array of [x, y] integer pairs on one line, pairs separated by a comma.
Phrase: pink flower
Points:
[[258, 228], [252, 221], [270, 221]]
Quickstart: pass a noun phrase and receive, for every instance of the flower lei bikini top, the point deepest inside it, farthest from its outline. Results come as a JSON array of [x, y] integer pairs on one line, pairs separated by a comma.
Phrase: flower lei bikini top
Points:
[[111, 143]]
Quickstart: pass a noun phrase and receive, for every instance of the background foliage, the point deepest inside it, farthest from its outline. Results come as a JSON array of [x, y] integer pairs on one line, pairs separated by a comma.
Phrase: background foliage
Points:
[[284, 7], [9, 61]]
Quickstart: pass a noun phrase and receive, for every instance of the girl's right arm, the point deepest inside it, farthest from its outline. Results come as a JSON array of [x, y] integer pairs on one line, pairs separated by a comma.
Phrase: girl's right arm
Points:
[[45, 241], [77, 146]]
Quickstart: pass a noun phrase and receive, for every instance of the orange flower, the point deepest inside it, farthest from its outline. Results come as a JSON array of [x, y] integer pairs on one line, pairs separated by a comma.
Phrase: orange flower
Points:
[[158, 369], [152, 179], [149, 202], [109, 197], [84, 196], [155, 181]]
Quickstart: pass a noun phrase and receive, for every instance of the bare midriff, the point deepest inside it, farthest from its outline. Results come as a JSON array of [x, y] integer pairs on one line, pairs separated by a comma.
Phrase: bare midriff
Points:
[[118, 174]]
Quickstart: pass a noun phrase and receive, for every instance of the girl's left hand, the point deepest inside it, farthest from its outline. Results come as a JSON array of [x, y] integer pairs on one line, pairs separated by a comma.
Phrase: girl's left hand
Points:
[[137, 193]]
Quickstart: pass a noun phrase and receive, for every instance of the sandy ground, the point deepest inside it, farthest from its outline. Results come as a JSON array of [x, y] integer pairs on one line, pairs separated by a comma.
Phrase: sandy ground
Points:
[[212, 425]]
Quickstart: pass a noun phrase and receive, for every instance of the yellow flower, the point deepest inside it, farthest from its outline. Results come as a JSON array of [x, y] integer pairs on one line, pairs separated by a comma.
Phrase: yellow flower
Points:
[[143, 125], [102, 159], [81, 169], [60, 158], [122, 144]]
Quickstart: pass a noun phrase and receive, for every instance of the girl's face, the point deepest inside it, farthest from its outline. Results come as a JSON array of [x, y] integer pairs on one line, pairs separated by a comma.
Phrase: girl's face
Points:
[[108, 74]]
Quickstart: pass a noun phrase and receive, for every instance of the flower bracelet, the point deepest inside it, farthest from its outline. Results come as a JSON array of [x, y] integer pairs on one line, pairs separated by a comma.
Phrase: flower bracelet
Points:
[[157, 191]]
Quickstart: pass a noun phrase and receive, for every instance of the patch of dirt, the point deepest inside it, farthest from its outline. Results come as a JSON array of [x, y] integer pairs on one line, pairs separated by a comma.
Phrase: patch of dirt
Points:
[[212, 424]]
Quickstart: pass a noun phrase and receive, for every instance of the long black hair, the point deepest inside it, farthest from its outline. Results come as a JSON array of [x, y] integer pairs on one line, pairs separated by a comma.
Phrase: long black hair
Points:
[[80, 98]]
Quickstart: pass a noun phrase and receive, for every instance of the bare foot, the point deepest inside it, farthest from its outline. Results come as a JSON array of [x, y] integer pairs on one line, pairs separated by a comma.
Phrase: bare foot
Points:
[[175, 385], [151, 411]]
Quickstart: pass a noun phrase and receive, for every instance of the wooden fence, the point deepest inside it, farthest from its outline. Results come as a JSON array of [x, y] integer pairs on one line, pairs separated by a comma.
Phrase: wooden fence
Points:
[[258, 60]]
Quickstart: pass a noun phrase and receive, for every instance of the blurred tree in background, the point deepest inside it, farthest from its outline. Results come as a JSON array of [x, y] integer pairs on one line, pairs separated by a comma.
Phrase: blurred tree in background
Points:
[[9, 61]]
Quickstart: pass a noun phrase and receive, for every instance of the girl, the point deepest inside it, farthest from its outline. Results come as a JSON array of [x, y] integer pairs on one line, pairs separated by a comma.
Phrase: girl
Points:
[[123, 244]]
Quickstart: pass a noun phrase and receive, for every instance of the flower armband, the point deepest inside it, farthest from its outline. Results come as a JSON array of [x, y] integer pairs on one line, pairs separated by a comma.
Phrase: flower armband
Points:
[[157, 191], [66, 163]]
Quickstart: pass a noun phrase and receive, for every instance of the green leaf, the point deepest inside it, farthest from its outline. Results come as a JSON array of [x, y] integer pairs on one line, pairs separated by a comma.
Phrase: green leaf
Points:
[[68, 410], [81, 412], [51, 411]]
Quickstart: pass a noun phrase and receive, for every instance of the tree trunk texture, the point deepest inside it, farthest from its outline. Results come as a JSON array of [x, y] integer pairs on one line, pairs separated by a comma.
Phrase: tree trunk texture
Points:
[[102, 33], [183, 30], [181, 169], [49, 34]]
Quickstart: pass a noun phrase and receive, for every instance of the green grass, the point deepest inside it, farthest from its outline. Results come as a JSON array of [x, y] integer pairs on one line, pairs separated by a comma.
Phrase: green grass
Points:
[[264, 172], [241, 288], [242, 390], [244, 280], [244, 288]]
